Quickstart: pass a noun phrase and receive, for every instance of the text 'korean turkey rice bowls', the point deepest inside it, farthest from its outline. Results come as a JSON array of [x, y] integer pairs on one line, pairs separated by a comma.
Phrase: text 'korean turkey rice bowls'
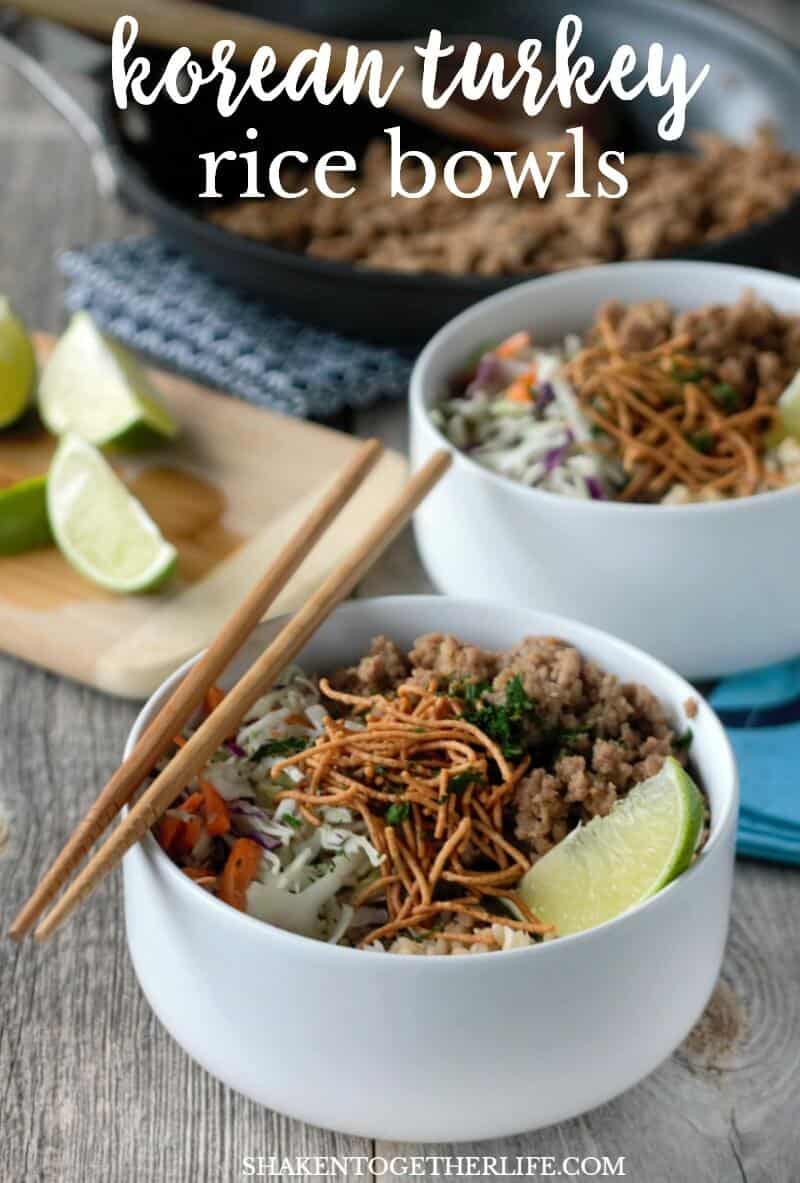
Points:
[[626, 445], [295, 918]]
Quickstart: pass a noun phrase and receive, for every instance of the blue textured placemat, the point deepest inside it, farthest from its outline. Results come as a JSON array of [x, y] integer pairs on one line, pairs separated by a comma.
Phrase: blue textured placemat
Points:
[[152, 297], [761, 711]]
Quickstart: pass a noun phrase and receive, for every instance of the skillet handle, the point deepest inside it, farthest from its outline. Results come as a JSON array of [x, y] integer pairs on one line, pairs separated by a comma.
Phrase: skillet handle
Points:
[[76, 116], [172, 23]]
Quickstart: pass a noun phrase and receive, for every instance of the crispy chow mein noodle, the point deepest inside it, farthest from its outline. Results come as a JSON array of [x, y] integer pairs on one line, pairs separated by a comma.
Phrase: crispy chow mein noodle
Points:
[[663, 413], [650, 404], [430, 786], [398, 804]]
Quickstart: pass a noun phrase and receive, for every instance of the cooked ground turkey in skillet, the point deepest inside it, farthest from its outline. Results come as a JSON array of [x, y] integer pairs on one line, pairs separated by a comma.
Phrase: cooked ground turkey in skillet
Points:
[[673, 201]]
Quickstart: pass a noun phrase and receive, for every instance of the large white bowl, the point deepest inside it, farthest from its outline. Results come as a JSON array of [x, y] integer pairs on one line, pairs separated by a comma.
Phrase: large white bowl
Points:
[[438, 1048], [710, 588]]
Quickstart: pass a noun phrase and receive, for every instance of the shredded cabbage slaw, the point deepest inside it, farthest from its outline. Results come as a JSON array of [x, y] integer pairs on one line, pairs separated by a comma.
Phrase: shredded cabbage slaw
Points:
[[303, 868], [261, 855], [519, 417]]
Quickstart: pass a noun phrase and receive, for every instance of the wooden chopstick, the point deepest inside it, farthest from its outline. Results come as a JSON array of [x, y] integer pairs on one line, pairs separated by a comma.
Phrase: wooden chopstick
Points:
[[195, 754], [188, 696]]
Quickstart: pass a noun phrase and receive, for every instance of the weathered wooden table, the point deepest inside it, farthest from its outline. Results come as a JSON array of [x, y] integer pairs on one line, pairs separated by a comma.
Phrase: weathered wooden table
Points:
[[92, 1090]]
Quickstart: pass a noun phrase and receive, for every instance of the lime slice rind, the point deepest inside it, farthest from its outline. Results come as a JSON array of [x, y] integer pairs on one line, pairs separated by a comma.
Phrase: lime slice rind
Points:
[[101, 530], [17, 366], [610, 865], [95, 387], [789, 407], [24, 524]]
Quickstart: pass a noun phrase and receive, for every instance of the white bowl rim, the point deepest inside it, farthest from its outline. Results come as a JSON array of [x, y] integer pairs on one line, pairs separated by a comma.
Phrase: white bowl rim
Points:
[[150, 848], [566, 279]]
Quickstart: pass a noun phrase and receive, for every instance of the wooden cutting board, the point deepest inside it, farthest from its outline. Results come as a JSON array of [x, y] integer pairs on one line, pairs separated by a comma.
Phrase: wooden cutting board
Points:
[[227, 494]]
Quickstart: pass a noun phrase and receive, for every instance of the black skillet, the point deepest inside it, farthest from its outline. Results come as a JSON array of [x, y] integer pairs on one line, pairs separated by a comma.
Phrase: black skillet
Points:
[[754, 78]]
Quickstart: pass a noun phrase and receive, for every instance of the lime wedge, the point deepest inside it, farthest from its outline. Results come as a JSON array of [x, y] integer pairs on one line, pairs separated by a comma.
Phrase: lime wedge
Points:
[[789, 407], [23, 516], [17, 365], [100, 528], [603, 868], [93, 386]]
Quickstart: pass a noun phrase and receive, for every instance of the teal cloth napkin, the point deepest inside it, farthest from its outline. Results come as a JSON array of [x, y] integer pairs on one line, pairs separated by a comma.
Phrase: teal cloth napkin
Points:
[[761, 711]]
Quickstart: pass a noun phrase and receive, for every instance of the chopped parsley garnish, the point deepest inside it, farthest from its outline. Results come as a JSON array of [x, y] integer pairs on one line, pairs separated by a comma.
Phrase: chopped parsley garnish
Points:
[[281, 747], [463, 780], [470, 692], [570, 735], [681, 375], [292, 821], [397, 812], [681, 742], [726, 396], [517, 700], [507, 724], [701, 441]]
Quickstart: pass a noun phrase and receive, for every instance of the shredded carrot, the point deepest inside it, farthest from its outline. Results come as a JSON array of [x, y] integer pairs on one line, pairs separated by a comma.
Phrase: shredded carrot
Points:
[[189, 834], [520, 389], [213, 697], [179, 741], [239, 872], [167, 831], [199, 872], [297, 720], [513, 345], [218, 820], [192, 803]]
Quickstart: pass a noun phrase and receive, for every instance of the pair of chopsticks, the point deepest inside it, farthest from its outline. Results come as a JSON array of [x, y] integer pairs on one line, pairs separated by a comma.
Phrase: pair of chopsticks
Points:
[[226, 718]]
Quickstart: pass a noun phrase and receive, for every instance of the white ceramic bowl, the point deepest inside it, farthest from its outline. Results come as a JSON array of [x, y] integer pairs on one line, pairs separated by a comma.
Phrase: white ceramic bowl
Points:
[[438, 1048], [707, 588]]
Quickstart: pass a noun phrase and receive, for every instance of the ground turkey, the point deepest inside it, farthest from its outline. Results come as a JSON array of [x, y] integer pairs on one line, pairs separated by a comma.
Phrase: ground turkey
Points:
[[607, 737], [452, 660], [748, 345], [383, 668]]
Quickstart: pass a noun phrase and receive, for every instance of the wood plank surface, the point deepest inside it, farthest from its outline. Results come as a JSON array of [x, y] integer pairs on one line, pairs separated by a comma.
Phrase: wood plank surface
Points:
[[92, 1090]]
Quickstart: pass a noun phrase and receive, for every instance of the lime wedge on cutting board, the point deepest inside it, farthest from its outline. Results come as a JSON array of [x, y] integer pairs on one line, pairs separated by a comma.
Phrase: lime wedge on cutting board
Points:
[[607, 866], [100, 528], [17, 365], [96, 388], [24, 524]]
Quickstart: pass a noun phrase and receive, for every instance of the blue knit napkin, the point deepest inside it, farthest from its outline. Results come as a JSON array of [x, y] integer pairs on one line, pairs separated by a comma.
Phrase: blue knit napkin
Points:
[[155, 299], [761, 711]]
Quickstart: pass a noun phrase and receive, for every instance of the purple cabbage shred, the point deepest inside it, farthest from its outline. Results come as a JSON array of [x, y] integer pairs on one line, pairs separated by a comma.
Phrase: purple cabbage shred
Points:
[[264, 842], [556, 456], [544, 398], [488, 373]]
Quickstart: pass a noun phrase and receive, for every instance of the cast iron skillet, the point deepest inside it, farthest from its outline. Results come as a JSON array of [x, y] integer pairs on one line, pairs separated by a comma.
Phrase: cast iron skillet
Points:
[[754, 78]]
